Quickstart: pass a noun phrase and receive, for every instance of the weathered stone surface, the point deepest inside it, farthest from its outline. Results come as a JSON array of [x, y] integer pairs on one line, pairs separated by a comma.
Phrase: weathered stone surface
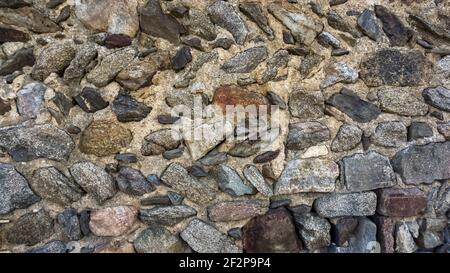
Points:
[[369, 25], [23, 57], [234, 95], [132, 181], [128, 109], [245, 61], [15, 193], [70, 225], [327, 39], [257, 14], [347, 138], [310, 64], [418, 130], [346, 204], [307, 175], [313, 230], [54, 58], [177, 177], [111, 65], [50, 247], [272, 232], [306, 105], [254, 176], [116, 17], [369, 171], [304, 27], [444, 129], [230, 182], [423, 164], [398, 34], [94, 180], [401, 102], [12, 35], [385, 233], [275, 66], [30, 99], [112, 221], [223, 14], [306, 134], [336, 21], [266, 157], [364, 240], [83, 57], [90, 100], [14, 4], [402, 202], [438, 97], [168, 216], [245, 148], [356, 108], [204, 238], [25, 143], [158, 141], [237, 210], [30, 228], [157, 239], [28, 18], [404, 241], [117, 41], [343, 229], [103, 138], [390, 134], [395, 67], [338, 72], [51, 184], [181, 58]]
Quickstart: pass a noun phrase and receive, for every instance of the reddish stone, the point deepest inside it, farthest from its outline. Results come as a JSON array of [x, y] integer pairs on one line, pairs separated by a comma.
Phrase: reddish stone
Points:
[[234, 95], [117, 41], [385, 233], [273, 232], [113, 221], [237, 210], [401, 202]]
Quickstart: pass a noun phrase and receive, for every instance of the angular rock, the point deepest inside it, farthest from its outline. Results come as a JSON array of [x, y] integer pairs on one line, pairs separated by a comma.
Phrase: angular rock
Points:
[[181, 58], [21, 58], [402, 202], [438, 97], [395, 67], [128, 109], [103, 138], [112, 221], [338, 72], [306, 105], [77, 68], [51, 184], [26, 143], [29, 18], [338, 22], [390, 134], [168, 216], [257, 14], [30, 228], [204, 238], [12, 35], [177, 177], [313, 230], [117, 41], [50, 247], [303, 26], [157, 239], [343, 229], [275, 65], [30, 99], [364, 239], [54, 58], [310, 64], [115, 17], [418, 130], [307, 175], [223, 14], [401, 102], [245, 61], [200, 24], [346, 204], [15, 193], [404, 241], [398, 34], [69, 222], [90, 100], [272, 232], [132, 181], [234, 95], [370, 25], [158, 141], [245, 149], [266, 157], [63, 103], [385, 233], [347, 138], [444, 129], [423, 164], [111, 65], [237, 210], [306, 134], [327, 39], [274, 99], [369, 171], [94, 180], [356, 108], [230, 182], [254, 176]]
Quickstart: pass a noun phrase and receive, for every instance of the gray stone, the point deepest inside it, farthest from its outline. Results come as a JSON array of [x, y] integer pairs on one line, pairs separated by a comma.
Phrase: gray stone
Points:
[[438, 97], [157, 239], [50, 247], [365, 237], [30, 99], [223, 14], [236, 210], [370, 25], [128, 109], [28, 18], [159, 141], [245, 148], [404, 241], [307, 175], [15, 192], [51, 184], [313, 230], [390, 134], [418, 130], [94, 180], [26, 143], [306, 105], [14, 4], [199, 24], [327, 39], [132, 181], [168, 216], [177, 177], [245, 61], [338, 22], [442, 203], [310, 64], [204, 238], [275, 99], [347, 138], [54, 58], [30, 228], [230, 182], [346, 204], [77, 67], [402, 102], [423, 164], [257, 14], [303, 135], [398, 34], [21, 58], [254, 176], [368, 171], [70, 224], [275, 64], [338, 72], [356, 108]]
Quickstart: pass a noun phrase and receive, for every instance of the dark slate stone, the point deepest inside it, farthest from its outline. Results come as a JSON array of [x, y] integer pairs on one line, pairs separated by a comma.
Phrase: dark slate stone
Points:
[[197, 171], [235, 233], [132, 181], [418, 130], [63, 103], [438, 97], [54, 3], [23, 57], [255, 12], [356, 108], [14, 4], [90, 100], [117, 41], [288, 38], [167, 119], [68, 220], [181, 58], [245, 61], [223, 14], [175, 198], [266, 157], [398, 34], [30, 228], [84, 222], [369, 25], [193, 42], [224, 43], [303, 135], [50, 247], [126, 158], [63, 15], [172, 154], [153, 179], [128, 109], [12, 35]]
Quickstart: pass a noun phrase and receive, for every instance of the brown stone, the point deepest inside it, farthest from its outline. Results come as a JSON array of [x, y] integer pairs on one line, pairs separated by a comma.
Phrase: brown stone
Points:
[[237, 210], [112, 221], [402, 202], [12, 35], [272, 232], [117, 40], [103, 138], [234, 95], [385, 233]]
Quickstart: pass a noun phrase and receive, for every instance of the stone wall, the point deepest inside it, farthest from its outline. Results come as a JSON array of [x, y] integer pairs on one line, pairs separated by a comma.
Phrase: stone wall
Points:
[[360, 161]]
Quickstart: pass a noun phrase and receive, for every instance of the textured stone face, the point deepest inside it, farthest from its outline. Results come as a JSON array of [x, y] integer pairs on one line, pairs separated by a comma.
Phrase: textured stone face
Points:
[[306, 105], [168, 216], [245, 61], [224, 15], [53, 59], [402, 102], [356, 108], [237, 210], [234, 95], [113, 221], [158, 240], [306, 134], [402, 202], [31, 228], [346, 204]]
